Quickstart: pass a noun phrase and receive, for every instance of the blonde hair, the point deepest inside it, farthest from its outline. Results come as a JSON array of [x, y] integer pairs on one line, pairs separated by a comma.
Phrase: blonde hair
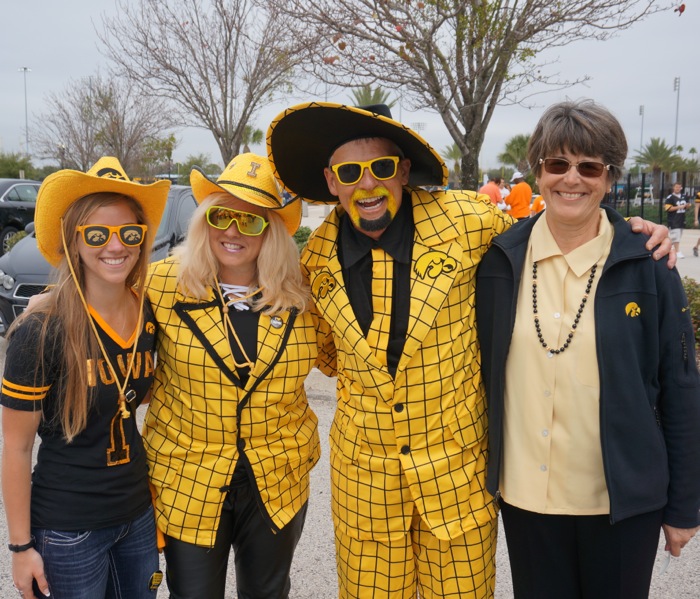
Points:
[[66, 321], [278, 270]]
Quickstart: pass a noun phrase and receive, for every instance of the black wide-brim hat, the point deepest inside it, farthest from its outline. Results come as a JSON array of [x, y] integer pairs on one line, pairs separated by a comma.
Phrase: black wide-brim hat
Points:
[[301, 139]]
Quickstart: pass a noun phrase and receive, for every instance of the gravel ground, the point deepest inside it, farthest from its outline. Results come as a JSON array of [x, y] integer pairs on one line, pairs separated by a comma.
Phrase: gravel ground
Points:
[[313, 571]]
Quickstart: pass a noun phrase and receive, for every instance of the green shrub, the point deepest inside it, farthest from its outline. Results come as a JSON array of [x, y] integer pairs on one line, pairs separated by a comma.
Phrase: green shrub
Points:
[[692, 290], [12, 241], [301, 237]]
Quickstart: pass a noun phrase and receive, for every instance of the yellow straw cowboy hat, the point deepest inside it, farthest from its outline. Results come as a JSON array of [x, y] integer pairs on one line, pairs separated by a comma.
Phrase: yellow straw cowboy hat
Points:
[[249, 177], [62, 188], [301, 139]]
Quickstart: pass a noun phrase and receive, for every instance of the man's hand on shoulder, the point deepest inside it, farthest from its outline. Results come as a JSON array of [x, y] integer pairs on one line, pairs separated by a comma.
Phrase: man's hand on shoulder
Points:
[[658, 236]]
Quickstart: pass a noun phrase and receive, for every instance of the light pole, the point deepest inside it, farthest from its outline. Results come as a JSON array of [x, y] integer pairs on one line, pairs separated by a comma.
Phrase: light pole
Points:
[[25, 70], [641, 136], [677, 89]]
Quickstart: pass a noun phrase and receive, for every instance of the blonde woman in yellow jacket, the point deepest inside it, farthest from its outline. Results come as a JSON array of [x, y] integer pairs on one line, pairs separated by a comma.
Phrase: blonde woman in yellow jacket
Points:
[[229, 435]]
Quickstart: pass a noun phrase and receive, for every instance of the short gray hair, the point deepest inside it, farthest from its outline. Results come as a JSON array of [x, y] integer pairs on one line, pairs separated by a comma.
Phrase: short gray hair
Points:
[[579, 127]]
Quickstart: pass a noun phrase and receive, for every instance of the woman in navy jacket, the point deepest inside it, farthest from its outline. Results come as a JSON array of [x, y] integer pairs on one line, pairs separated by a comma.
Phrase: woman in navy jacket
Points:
[[589, 366]]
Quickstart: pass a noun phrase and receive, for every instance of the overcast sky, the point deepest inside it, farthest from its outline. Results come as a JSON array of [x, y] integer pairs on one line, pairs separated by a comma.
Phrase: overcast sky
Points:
[[57, 41]]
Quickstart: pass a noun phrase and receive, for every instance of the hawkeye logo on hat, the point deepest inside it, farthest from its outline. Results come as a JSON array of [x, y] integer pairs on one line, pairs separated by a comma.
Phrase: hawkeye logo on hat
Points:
[[111, 173]]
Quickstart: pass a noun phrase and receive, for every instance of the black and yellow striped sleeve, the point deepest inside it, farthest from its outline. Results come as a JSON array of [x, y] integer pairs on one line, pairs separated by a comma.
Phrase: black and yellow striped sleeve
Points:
[[25, 382]]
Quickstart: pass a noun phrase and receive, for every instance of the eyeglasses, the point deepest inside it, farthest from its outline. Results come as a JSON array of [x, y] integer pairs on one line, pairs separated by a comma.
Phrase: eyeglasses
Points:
[[349, 173], [585, 168], [97, 236], [248, 224]]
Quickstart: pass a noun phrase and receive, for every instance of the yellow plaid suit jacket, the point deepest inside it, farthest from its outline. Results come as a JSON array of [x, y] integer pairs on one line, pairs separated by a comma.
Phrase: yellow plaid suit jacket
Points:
[[416, 441], [198, 419]]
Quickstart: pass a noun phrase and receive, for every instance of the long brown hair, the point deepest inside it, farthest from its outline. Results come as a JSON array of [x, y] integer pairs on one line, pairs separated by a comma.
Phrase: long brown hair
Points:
[[65, 321]]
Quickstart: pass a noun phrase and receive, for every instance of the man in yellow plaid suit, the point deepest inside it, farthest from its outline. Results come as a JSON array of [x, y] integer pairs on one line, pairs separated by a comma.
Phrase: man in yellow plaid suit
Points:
[[408, 446]]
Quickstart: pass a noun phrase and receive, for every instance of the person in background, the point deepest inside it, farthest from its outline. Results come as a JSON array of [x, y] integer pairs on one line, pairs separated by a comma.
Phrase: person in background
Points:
[[696, 223], [78, 365], [229, 434], [519, 197], [493, 189], [392, 272], [537, 206], [505, 189], [675, 205], [588, 358]]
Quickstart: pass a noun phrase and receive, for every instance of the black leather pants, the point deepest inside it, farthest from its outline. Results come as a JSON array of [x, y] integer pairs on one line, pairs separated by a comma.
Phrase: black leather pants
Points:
[[262, 558]]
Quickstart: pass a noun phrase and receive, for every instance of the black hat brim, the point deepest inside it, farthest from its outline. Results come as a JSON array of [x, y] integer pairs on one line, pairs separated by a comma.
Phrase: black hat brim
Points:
[[301, 139]]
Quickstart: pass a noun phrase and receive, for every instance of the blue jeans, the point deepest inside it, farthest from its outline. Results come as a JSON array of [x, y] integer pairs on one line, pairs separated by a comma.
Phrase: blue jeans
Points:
[[117, 562]]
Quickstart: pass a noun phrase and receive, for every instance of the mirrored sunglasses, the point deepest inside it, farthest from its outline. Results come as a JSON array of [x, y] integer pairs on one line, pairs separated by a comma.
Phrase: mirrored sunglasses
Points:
[[247, 223], [586, 168], [97, 236], [383, 168]]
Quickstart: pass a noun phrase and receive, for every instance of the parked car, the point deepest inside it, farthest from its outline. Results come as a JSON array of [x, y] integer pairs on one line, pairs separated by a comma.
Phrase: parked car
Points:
[[17, 201], [24, 272]]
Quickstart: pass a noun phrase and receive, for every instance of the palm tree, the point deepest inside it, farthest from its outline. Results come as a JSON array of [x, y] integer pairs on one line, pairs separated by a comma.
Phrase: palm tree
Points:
[[251, 136], [367, 96], [515, 153], [657, 156], [452, 153]]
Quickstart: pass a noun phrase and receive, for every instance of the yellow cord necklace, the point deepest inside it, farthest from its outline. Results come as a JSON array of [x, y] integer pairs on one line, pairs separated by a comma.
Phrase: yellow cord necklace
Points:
[[248, 363]]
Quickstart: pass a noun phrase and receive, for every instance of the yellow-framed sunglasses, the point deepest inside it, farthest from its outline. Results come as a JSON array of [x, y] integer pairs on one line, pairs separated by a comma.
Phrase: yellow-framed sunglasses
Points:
[[382, 168], [247, 223], [97, 236]]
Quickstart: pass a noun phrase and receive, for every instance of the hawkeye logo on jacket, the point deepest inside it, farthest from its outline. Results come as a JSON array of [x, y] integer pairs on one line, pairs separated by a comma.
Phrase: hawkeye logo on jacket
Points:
[[322, 286], [432, 264], [633, 310]]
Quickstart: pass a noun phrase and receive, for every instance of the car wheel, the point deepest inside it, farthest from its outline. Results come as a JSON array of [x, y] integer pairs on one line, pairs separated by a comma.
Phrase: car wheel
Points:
[[5, 235]]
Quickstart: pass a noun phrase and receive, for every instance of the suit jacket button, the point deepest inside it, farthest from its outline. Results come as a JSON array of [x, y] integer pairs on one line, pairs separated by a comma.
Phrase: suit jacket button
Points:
[[405, 450], [241, 444], [398, 408]]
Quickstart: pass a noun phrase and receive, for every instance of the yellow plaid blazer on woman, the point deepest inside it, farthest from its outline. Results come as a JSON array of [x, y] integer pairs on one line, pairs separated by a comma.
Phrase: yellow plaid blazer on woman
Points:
[[416, 441], [199, 420]]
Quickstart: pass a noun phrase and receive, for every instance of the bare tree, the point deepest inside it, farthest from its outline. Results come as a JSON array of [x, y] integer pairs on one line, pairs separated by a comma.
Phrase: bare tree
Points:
[[98, 116], [217, 60], [459, 57]]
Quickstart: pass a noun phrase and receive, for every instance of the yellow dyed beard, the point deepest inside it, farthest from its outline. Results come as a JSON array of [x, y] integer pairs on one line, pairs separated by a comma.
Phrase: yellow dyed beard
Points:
[[380, 223]]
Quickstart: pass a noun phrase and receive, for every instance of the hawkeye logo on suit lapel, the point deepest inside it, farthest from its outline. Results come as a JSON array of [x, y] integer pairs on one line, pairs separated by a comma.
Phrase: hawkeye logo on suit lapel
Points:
[[436, 259], [323, 285], [433, 263]]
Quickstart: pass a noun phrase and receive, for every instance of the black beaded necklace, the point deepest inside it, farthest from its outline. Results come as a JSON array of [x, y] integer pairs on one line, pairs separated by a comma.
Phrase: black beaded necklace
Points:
[[543, 343]]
